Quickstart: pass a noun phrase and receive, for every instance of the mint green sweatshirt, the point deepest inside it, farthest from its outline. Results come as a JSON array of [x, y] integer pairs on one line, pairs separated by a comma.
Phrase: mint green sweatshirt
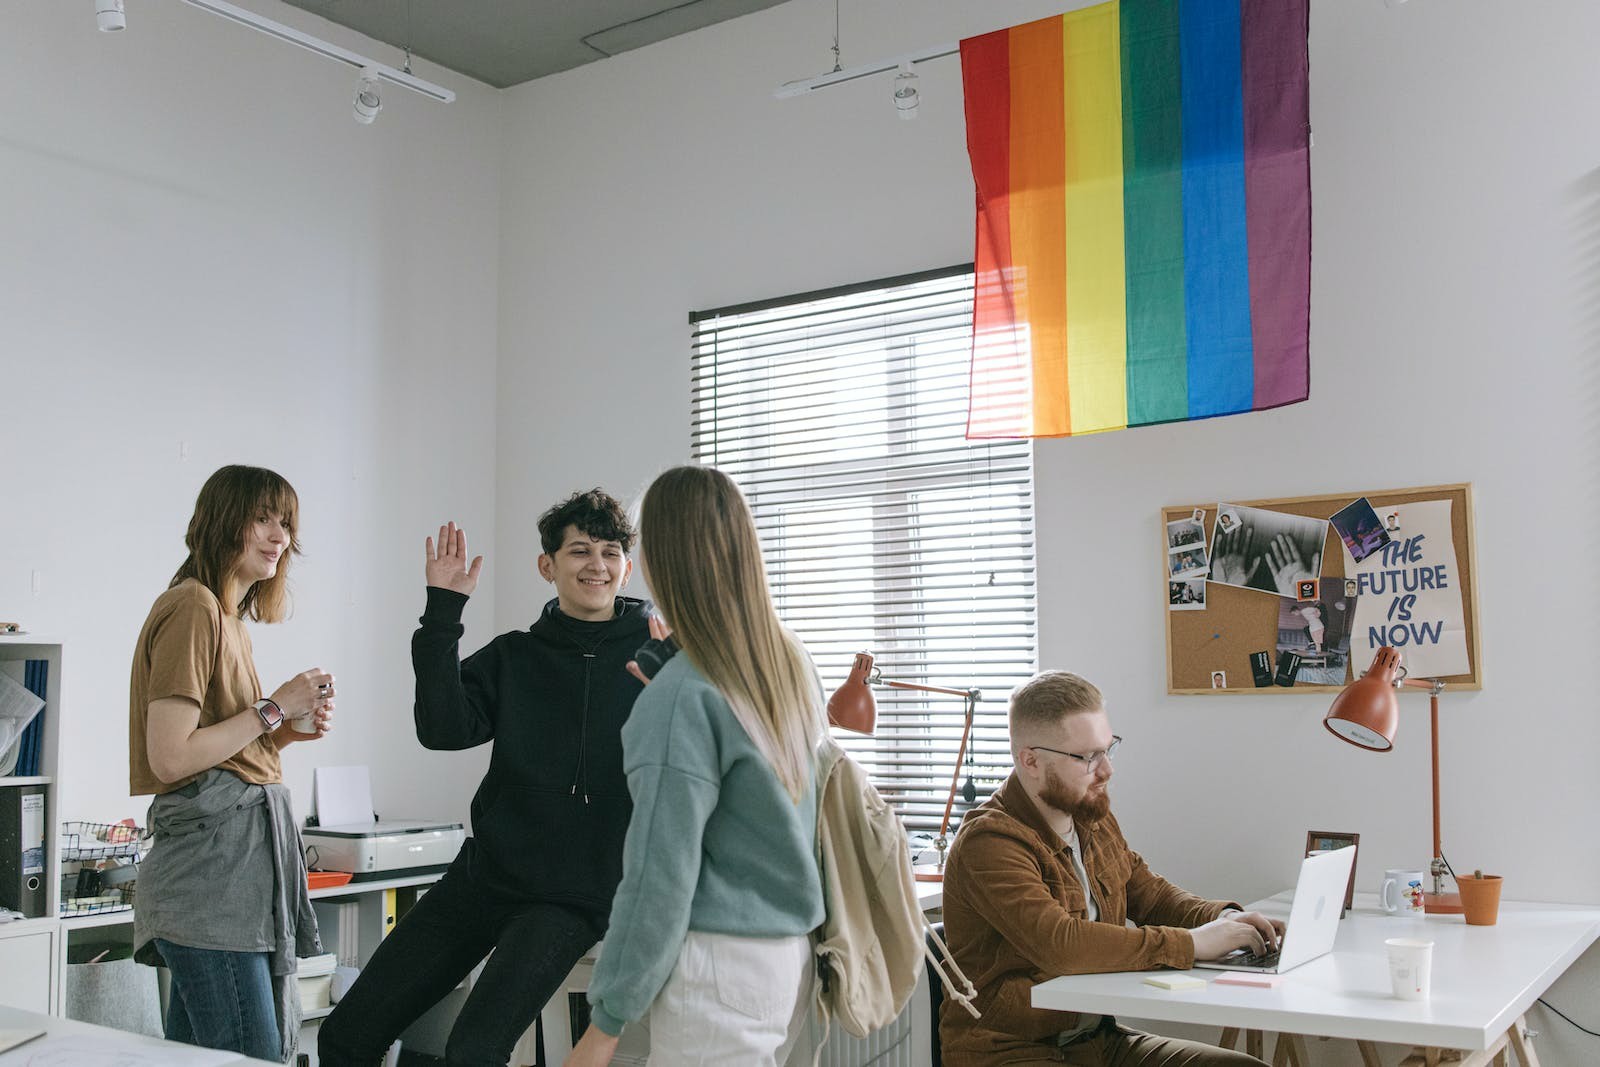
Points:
[[715, 843]]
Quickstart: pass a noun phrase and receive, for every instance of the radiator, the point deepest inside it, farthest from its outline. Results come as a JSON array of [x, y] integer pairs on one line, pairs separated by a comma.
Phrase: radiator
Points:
[[906, 1042]]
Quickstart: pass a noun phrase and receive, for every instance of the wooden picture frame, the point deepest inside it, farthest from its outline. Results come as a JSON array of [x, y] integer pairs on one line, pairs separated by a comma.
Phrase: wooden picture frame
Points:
[[1327, 841]]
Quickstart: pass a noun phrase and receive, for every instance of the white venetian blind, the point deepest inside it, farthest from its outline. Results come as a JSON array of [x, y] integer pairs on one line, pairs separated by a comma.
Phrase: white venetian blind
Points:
[[842, 416]]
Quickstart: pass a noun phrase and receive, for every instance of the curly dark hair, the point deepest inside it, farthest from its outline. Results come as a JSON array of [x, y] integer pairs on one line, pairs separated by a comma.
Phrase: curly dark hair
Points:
[[595, 513]]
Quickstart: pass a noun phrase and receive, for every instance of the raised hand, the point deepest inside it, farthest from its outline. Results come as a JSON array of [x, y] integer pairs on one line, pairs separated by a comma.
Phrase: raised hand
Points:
[[1288, 568], [447, 566], [659, 631], [1233, 550]]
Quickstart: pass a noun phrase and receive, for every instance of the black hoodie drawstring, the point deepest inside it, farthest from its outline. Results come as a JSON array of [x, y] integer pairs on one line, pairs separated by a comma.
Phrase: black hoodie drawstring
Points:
[[581, 771]]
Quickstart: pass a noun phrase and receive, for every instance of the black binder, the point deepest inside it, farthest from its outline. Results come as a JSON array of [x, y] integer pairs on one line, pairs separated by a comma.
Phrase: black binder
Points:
[[22, 866]]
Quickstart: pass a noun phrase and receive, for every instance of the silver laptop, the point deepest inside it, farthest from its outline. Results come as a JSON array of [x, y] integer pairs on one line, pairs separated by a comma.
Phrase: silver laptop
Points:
[[1313, 918]]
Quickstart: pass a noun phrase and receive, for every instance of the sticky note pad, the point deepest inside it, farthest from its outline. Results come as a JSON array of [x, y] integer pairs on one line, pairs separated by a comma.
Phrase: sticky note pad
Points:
[[1174, 981], [1262, 981]]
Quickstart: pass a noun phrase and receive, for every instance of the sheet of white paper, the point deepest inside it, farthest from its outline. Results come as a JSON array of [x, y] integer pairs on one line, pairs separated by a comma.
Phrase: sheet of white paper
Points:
[[1409, 596], [95, 1050], [342, 795], [18, 706]]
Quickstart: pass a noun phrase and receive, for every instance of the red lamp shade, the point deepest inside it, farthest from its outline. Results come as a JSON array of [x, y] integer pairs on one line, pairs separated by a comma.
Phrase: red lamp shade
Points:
[[1367, 712], [852, 707]]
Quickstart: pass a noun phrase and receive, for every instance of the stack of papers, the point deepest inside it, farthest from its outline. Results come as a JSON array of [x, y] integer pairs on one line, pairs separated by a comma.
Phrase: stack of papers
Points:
[[315, 975]]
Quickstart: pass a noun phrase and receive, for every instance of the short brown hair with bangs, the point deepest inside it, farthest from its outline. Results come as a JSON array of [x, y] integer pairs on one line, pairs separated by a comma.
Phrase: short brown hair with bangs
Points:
[[228, 503], [1048, 697]]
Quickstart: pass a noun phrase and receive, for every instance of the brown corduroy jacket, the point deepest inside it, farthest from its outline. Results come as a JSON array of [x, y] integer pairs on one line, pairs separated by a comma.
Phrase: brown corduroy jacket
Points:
[[1015, 916]]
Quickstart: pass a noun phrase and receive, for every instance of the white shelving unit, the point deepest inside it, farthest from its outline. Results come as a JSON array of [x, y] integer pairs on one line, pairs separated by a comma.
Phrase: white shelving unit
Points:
[[30, 965]]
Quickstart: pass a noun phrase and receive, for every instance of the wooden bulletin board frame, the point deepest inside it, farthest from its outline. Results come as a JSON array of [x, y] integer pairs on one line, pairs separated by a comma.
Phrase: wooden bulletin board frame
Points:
[[1233, 624]]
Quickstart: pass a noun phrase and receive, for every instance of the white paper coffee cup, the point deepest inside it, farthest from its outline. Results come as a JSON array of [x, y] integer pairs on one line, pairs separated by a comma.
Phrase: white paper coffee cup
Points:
[[1410, 967]]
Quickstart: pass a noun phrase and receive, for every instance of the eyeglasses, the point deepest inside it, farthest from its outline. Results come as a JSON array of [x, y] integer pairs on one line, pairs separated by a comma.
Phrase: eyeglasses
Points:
[[1089, 760]]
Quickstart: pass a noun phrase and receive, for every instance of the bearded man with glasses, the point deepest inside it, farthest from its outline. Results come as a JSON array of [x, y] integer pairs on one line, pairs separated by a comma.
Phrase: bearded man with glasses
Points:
[[1042, 883]]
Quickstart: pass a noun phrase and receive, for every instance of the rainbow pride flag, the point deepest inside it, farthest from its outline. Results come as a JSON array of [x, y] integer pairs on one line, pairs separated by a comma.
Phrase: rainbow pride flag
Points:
[[1144, 215]]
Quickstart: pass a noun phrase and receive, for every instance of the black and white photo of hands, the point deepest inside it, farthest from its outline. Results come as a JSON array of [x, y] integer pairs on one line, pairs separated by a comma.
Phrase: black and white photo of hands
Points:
[[1267, 550]]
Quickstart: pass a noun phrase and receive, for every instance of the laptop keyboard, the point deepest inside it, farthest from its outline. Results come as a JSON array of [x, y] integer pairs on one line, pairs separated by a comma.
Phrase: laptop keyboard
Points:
[[1250, 959]]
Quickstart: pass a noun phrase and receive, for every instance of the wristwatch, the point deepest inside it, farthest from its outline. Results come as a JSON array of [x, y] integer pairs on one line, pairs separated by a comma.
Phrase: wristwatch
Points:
[[271, 714]]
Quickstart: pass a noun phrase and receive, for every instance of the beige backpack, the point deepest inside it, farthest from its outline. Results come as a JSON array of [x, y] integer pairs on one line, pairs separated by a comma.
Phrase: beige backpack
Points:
[[873, 938]]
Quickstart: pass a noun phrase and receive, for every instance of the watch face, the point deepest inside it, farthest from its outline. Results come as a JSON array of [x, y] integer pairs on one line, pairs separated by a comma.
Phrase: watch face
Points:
[[270, 713]]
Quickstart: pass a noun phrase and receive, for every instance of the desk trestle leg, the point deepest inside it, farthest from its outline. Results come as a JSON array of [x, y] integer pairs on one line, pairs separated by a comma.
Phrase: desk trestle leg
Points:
[[1496, 1055]]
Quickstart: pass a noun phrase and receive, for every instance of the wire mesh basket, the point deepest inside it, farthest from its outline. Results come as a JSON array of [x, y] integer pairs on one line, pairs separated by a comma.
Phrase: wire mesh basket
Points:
[[87, 887], [102, 840]]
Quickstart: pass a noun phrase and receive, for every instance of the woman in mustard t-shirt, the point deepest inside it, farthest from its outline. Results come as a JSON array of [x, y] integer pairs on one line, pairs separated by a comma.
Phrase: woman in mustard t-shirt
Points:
[[222, 893]]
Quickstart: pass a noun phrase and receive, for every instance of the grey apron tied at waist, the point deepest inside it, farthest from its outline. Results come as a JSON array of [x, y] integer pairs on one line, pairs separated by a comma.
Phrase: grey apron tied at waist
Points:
[[225, 872]]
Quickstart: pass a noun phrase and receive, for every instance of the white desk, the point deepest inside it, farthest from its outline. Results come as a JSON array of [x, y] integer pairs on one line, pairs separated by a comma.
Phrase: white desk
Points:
[[1484, 979], [101, 1045]]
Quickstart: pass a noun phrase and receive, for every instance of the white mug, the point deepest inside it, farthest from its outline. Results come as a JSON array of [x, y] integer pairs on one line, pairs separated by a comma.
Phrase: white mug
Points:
[[1401, 893], [1410, 967]]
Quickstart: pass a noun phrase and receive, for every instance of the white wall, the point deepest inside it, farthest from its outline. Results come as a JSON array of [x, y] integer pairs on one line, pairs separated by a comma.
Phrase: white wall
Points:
[[200, 249], [467, 311], [1456, 329]]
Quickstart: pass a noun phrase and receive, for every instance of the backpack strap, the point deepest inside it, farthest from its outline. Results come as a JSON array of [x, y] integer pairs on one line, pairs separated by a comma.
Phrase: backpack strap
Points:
[[963, 993], [827, 1028], [828, 753]]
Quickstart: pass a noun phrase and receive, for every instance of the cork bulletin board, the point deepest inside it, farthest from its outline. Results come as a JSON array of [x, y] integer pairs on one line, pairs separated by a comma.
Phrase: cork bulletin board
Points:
[[1236, 622]]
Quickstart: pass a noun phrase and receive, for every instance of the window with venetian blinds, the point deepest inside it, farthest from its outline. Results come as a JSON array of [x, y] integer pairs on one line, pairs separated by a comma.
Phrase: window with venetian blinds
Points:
[[842, 415]]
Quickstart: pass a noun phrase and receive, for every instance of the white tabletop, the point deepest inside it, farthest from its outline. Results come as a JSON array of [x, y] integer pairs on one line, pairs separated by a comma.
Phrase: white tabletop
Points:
[[1484, 978], [78, 1043]]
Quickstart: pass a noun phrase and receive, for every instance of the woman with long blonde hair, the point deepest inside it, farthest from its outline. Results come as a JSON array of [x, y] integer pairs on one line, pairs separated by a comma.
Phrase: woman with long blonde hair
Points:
[[710, 927]]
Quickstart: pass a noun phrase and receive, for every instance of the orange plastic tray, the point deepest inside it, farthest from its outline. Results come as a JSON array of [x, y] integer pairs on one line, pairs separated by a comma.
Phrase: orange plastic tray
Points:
[[327, 879]]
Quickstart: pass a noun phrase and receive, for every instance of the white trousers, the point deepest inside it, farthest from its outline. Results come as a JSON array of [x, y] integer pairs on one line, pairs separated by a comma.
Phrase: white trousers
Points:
[[733, 1002]]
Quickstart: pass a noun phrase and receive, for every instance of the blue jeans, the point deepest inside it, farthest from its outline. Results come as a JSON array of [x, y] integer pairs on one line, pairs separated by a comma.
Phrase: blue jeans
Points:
[[222, 1000]]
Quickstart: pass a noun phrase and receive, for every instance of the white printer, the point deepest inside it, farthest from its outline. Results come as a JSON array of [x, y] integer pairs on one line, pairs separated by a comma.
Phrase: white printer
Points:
[[383, 849]]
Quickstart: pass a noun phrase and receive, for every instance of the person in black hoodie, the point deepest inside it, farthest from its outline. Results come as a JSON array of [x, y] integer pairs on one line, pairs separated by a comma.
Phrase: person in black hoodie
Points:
[[534, 881]]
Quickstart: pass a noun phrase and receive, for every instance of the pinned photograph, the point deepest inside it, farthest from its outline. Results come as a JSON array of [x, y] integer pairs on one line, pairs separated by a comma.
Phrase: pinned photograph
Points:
[[1186, 549], [1358, 527], [1219, 679], [1271, 551], [1392, 523], [1200, 516], [1317, 631], [1187, 595], [1186, 532], [1351, 588], [1306, 589]]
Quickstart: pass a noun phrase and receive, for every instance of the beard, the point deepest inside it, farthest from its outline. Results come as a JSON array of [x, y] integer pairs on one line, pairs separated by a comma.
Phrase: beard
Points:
[[1087, 809]]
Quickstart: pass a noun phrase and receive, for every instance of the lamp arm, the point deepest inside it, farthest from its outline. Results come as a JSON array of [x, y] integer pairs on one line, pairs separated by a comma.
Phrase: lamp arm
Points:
[[955, 779], [923, 688], [1434, 686]]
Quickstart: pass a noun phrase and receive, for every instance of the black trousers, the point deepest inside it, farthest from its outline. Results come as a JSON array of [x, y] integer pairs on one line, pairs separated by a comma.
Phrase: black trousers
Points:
[[453, 926]]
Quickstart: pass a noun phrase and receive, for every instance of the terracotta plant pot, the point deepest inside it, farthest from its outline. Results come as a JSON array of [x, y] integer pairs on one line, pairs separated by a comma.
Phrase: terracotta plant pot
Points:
[[1480, 898]]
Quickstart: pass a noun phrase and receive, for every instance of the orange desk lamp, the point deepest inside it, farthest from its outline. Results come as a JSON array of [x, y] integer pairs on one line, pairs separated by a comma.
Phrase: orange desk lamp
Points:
[[853, 708], [1367, 714]]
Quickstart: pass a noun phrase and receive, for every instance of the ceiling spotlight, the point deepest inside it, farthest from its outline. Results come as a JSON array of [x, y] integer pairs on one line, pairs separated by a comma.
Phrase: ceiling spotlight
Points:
[[108, 16], [906, 97], [367, 103]]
